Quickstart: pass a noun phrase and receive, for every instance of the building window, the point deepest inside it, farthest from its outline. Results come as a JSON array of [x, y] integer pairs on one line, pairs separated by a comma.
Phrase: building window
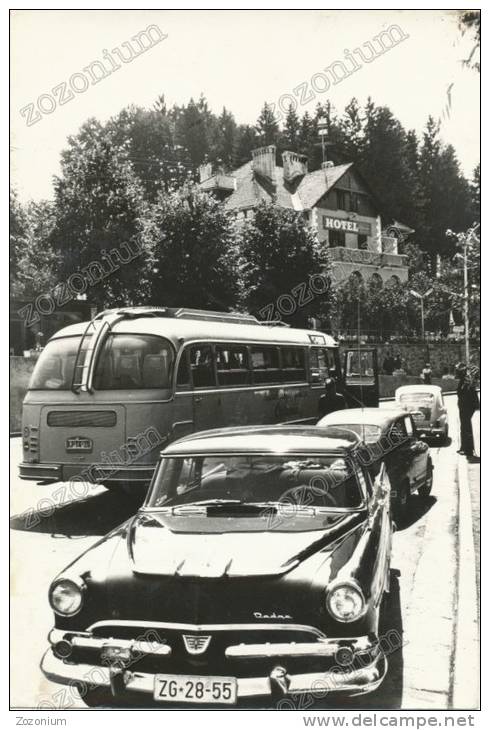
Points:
[[362, 242], [341, 199], [354, 202], [336, 238]]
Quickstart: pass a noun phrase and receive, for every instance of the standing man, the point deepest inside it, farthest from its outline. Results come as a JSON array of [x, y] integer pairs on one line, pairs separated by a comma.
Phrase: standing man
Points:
[[468, 403], [330, 401], [426, 374]]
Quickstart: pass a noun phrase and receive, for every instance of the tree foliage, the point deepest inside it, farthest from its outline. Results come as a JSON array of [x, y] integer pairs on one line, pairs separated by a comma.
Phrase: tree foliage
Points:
[[99, 206], [279, 253], [195, 256]]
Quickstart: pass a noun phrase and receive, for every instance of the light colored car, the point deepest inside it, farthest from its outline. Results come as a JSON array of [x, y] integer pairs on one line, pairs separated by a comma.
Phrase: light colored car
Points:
[[425, 403]]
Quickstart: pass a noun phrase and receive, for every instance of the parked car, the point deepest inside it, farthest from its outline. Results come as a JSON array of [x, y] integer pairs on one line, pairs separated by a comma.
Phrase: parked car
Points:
[[257, 566], [426, 404], [390, 437]]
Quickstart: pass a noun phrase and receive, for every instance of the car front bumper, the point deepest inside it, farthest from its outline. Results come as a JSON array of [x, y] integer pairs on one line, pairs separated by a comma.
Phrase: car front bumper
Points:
[[359, 677], [431, 431]]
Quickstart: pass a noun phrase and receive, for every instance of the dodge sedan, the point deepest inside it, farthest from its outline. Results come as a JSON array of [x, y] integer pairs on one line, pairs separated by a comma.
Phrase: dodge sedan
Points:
[[256, 567]]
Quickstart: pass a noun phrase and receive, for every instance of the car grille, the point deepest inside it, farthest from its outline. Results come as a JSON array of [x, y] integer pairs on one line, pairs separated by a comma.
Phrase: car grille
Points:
[[213, 659], [95, 419]]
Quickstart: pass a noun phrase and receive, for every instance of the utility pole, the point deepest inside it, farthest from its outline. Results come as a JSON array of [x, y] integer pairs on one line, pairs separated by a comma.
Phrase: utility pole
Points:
[[422, 315], [465, 301]]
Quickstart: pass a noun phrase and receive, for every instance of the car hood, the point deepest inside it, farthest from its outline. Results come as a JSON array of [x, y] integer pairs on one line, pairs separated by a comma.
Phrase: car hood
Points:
[[215, 547]]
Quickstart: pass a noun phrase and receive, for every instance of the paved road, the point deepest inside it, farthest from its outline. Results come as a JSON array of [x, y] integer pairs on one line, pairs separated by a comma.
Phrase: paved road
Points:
[[51, 527]]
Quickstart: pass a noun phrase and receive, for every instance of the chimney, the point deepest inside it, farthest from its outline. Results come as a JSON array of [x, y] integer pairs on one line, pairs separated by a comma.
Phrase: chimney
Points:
[[327, 164], [205, 171], [264, 162], [294, 165]]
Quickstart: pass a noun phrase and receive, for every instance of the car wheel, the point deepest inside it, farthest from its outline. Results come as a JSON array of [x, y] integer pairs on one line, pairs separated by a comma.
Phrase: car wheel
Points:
[[401, 501], [426, 489]]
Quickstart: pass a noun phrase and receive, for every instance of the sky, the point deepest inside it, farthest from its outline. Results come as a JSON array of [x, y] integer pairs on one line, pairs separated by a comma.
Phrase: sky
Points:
[[237, 59]]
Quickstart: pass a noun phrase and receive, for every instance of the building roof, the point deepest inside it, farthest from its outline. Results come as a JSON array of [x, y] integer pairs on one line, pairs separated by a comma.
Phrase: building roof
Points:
[[299, 195]]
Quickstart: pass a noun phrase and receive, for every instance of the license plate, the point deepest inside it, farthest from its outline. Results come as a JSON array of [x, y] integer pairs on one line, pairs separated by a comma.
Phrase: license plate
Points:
[[78, 443], [191, 688]]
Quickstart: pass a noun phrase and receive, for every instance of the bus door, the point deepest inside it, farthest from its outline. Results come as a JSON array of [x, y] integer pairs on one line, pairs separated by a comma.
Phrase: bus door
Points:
[[206, 397], [360, 377]]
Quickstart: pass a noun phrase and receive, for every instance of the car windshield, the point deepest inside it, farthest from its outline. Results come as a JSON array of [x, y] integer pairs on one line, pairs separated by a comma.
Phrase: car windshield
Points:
[[366, 431], [243, 481]]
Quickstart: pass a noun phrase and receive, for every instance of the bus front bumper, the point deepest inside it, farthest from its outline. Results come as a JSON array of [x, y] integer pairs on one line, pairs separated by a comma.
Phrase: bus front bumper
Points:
[[66, 472]]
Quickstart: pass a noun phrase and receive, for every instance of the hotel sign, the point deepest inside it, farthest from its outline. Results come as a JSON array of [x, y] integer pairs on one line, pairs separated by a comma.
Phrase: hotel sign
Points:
[[342, 224]]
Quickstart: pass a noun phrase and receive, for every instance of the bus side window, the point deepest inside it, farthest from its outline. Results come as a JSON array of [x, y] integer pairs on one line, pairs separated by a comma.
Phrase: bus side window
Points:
[[320, 365], [232, 365], [202, 366], [183, 373], [293, 364], [265, 364]]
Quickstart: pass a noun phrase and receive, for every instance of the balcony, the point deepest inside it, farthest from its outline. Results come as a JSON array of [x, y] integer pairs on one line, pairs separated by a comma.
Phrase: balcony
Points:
[[367, 258]]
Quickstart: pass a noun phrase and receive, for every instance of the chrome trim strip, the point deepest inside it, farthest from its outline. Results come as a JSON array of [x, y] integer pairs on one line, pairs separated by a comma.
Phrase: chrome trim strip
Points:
[[255, 387], [208, 628], [324, 648], [87, 641]]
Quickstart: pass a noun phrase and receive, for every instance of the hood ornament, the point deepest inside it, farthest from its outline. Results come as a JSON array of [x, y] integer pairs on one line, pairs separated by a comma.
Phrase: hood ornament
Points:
[[196, 644]]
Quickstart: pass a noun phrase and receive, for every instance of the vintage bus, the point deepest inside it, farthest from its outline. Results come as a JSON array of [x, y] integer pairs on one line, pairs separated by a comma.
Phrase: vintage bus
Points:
[[106, 396]]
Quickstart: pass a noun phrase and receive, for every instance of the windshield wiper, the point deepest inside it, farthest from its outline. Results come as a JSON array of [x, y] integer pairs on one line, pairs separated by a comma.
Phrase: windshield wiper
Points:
[[200, 506]]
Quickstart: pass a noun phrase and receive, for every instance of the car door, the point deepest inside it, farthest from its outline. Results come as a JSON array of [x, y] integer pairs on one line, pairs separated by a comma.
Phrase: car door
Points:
[[360, 377]]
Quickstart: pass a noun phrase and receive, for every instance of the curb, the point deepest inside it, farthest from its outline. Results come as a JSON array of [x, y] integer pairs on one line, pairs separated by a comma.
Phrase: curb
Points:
[[466, 689]]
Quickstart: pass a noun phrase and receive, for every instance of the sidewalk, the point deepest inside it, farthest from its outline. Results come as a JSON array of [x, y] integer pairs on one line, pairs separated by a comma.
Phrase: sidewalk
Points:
[[466, 690]]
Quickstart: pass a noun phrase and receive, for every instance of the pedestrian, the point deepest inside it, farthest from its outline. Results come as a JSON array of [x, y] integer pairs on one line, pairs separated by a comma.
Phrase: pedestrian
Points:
[[446, 375], [388, 364], [330, 401], [426, 374], [397, 361], [468, 403]]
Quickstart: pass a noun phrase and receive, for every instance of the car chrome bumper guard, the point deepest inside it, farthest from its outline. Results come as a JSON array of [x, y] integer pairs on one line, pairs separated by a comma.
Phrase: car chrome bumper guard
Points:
[[363, 673]]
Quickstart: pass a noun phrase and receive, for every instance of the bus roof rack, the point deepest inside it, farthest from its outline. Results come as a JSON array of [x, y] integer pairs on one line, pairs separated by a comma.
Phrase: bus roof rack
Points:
[[180, 313]]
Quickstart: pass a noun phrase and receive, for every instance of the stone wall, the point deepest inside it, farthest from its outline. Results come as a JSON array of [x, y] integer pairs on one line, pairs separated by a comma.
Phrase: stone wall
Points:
[[20, 372], [414, 356]]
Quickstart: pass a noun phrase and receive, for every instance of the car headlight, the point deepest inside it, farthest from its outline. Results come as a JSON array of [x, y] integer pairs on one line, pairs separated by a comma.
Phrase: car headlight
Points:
[[66, 597], [345, 602]]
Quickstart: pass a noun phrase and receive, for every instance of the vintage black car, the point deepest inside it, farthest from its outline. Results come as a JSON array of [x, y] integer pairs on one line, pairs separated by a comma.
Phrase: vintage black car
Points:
[[256, 567], [390, 437]]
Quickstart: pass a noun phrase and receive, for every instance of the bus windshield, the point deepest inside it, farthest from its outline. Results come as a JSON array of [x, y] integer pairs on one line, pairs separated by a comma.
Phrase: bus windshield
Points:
[[130, 362], [54, 369]]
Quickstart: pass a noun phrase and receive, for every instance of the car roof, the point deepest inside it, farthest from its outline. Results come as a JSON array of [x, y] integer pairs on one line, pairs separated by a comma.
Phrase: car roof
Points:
[[363, 416], [435, 389], [265, 439]]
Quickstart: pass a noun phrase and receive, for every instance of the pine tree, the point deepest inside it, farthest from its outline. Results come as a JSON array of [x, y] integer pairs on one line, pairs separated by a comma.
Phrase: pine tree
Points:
[[291, 130], [267, 126]]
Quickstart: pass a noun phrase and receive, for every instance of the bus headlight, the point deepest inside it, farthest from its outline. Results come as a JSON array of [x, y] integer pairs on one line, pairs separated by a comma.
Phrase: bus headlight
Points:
[[345, 602], [66, 597]]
